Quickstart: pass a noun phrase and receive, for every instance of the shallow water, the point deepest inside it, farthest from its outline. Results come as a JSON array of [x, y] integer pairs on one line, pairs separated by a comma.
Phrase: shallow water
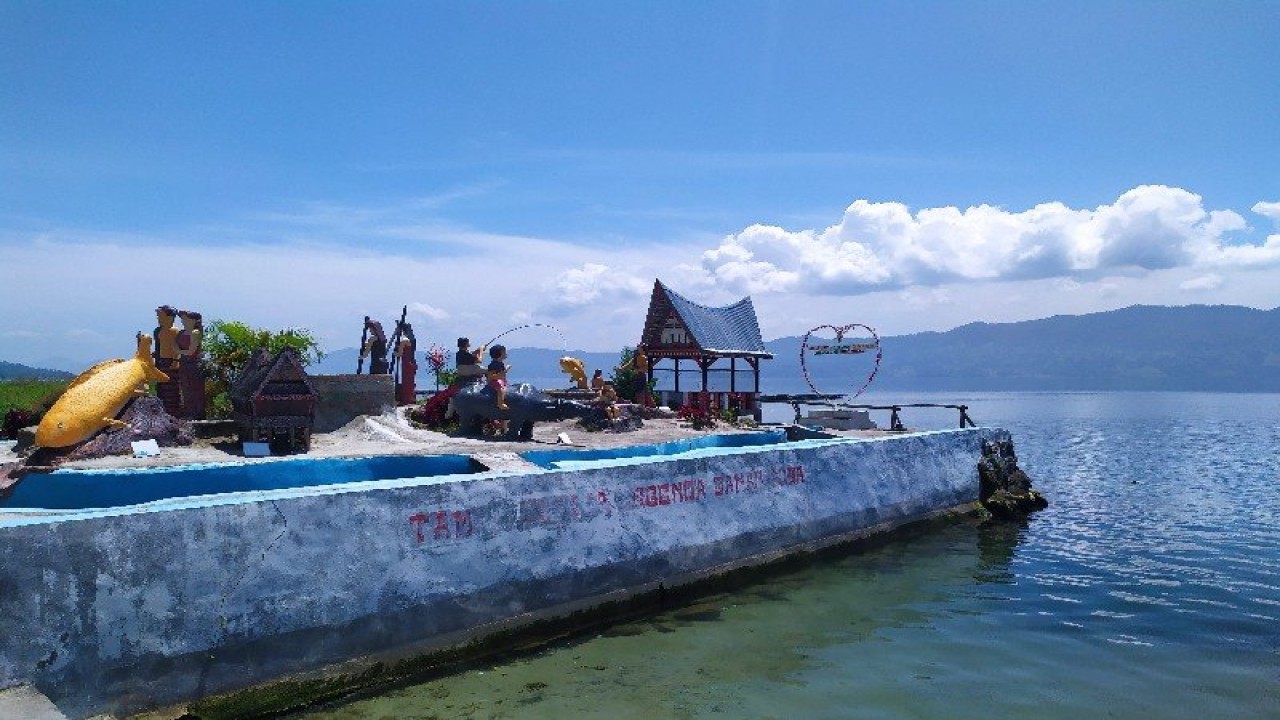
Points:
[[1149, 589]]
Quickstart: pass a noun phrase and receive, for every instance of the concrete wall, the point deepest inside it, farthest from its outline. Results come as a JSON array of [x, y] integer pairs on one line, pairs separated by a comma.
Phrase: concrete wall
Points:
[[145, 606], [342, 397]]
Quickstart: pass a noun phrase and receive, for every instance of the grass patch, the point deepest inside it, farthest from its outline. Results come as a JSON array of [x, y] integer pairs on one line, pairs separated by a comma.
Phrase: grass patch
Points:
[[29, 394]]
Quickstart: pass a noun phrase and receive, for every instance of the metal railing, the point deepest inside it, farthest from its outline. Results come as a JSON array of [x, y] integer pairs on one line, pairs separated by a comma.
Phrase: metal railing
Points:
[[830, 401]]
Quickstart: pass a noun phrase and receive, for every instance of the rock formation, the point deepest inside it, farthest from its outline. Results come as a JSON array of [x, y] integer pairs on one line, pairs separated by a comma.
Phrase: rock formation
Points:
[[1003, 488]]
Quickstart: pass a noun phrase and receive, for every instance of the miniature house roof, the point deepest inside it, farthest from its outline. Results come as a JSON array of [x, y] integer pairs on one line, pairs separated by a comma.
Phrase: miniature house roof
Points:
[[282, 374], [679, 327]]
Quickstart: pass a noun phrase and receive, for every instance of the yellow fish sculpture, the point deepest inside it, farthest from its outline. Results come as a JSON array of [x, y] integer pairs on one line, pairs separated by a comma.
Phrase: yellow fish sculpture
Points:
[[92, 401], [576, 371]]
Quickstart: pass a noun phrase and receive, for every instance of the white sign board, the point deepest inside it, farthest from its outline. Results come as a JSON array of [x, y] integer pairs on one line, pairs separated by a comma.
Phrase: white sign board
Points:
[[145, 448]]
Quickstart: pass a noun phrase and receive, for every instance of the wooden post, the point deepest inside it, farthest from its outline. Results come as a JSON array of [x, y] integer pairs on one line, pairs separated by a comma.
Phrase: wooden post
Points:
[[395, 340], [364, 338]]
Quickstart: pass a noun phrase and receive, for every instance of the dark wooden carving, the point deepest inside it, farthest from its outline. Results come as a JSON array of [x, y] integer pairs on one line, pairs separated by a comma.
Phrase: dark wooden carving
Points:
[[273, 401]]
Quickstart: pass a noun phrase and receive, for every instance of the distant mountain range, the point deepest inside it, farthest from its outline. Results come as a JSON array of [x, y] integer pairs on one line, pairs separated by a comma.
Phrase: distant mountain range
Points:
[[1219, 348], [15, 371], [1195, 348]]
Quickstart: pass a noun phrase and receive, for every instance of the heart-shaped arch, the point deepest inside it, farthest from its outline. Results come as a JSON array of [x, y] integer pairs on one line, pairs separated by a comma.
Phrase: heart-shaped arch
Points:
[[840, 333]]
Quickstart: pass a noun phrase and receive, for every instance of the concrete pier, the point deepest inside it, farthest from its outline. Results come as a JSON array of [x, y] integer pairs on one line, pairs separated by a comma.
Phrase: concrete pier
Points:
[[130, 608]]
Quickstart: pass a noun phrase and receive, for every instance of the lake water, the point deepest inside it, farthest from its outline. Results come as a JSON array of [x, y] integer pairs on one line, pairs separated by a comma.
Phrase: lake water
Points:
[[1149, 589]]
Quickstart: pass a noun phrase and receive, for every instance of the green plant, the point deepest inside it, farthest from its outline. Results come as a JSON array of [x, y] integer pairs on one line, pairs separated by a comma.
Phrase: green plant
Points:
[[629, 383], [229, 345], [446, 377], [24, 402], [30, 394]]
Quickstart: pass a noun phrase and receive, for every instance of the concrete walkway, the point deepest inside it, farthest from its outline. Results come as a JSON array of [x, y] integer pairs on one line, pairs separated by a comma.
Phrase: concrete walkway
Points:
[[27, 703]]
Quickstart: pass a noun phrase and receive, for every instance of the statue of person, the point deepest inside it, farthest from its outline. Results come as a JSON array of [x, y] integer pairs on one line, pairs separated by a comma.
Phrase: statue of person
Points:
[[375, 348], [191, 374], [498, 370], [467, 362], [609, 400], [640, 362], [167, 354], [407, 387]]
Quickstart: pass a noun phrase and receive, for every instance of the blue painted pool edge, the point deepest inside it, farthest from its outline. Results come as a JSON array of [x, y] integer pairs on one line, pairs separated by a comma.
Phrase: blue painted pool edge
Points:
[[142, 607]]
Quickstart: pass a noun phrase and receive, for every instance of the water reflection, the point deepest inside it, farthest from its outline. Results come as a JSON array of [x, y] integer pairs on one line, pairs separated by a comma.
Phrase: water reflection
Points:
[[1149, 588], [690, 660], [997, 542]]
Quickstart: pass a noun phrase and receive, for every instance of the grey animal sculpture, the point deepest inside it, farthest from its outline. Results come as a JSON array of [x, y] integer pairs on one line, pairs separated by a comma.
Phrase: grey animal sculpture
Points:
[[526, 404]]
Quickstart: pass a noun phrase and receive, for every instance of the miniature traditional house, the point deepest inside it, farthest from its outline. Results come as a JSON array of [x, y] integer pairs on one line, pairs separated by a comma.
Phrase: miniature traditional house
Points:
[[677, 329], [274, 401]]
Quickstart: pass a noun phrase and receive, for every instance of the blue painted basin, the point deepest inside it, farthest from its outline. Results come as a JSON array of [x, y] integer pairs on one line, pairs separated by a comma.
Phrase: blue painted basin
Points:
[[86, 489], [551, 459]]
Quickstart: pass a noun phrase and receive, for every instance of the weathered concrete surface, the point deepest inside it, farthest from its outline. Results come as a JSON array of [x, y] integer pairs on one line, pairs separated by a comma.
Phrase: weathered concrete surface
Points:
[[26, 703], [341, 398], [116, 611]]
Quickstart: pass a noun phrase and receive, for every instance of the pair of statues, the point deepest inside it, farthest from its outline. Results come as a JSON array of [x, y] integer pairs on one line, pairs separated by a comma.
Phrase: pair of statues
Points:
[[177, 354], [468, 368], [404, 364]]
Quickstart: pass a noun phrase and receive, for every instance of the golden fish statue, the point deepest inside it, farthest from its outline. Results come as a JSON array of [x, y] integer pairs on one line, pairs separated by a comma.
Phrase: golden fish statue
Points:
[[92, 401], [576, 371]]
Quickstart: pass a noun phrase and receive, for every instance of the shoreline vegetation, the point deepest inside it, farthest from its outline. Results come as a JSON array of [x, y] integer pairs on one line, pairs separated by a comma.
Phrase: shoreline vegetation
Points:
[[28, 395]]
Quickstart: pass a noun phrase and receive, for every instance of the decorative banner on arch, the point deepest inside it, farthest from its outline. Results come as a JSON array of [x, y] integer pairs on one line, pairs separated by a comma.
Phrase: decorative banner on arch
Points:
[[840, 347]]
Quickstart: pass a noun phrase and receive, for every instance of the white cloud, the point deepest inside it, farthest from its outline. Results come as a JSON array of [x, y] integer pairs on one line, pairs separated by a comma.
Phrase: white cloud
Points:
[[429, 312], [593, 284], [1212, 281], [327, 283], [882, 264], [1268, 210], [878, 246]]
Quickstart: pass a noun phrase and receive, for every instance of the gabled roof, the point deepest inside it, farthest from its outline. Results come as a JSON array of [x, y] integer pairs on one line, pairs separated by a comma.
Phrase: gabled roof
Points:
[[729, 330], [263, 368]]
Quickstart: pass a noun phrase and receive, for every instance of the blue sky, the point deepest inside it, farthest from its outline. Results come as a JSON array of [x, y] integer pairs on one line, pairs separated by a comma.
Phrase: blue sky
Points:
[[912, 166]]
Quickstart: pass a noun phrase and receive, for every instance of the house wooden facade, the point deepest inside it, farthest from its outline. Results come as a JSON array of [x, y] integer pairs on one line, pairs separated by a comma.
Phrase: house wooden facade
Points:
[[274, 401], [707, 341]]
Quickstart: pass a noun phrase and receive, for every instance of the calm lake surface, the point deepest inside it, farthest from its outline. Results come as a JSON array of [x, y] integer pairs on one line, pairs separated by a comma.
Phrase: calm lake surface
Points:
[[1149, 589]]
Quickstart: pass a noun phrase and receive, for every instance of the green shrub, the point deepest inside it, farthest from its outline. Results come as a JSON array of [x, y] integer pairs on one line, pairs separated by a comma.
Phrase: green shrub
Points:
[[24, 402], [228, 346]]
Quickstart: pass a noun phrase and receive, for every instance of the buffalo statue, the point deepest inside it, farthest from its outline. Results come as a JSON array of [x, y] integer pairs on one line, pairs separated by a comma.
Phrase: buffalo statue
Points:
[[526, 404]]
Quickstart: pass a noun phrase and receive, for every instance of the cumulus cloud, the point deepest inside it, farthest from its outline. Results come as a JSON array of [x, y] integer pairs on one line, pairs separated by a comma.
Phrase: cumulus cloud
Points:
[[592, 284], [1268, 210], [900, 268], [429, 312], [879, 246]]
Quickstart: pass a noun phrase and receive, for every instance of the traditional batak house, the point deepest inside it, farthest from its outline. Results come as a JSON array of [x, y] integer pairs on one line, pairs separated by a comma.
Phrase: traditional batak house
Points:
[[273, 401], [678, 330]]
